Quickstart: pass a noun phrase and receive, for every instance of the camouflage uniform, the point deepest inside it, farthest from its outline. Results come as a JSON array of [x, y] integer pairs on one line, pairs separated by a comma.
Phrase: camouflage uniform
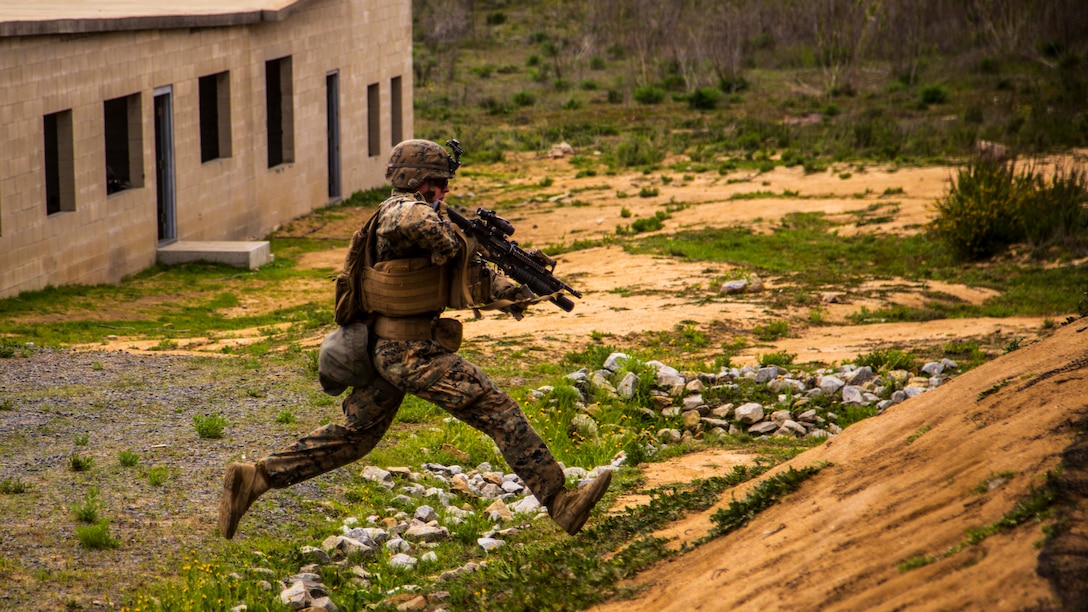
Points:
[[409, 227]]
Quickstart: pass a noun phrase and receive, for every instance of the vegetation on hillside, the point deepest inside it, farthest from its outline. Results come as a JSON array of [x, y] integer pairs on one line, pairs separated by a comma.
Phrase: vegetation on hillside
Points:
[[894, 80]]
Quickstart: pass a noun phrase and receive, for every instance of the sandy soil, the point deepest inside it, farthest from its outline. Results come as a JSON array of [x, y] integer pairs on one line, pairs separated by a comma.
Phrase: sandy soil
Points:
[[891, 493]]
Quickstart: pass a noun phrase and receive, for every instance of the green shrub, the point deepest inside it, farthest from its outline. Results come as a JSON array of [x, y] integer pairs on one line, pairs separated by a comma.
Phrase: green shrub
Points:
[[980, 214], [886, 359], [157, 475], [96, 537], [780, 358], [934, 94], [772, 331], [80, 464], [648, 192], [209, 426], [81, 439], [649, 94], [128, 458], [285, 418], [7, 405], [650, 224], [87, 512], [625, 212], [637, 151], [524, 98], [705, 98], [992, 205], [13, 486]]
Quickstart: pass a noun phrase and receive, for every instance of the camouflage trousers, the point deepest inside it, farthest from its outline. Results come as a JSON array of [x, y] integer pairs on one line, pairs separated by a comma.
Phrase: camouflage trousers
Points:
[[428, 371]]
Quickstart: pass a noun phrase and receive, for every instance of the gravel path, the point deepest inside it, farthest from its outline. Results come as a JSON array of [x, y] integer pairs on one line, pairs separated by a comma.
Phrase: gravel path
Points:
[[142, 403]]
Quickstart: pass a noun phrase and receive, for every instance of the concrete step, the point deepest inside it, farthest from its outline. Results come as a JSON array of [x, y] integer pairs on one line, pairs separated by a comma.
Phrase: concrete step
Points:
[[240, 254]]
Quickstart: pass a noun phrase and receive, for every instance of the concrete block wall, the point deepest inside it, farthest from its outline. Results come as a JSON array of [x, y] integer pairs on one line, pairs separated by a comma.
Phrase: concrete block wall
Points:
[[238, 197]]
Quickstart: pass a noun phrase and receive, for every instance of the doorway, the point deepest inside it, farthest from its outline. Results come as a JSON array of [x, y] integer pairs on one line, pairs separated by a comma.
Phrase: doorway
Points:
[[164, 164], [332, 104]]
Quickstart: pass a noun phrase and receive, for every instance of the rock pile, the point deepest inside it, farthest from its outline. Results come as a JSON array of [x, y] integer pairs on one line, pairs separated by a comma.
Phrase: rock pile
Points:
[[408, 538], [689, 396]]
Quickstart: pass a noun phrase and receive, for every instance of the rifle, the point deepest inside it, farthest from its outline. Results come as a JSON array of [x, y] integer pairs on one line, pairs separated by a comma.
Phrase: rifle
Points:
[[533, 270]]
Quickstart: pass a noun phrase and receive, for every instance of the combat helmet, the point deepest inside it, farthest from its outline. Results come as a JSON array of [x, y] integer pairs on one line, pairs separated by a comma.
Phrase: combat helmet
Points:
[[414, 161]]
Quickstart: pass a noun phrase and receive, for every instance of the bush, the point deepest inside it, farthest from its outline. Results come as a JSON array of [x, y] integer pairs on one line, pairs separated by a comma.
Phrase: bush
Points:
[[128, 458], [209, 426], [88, 511], [991, 205], [96, 537], [524, 98], [80, 464], [649, 94], [705, 98], [157, 476], [934, 94], [637, 151], [886, 360], [13, 486]]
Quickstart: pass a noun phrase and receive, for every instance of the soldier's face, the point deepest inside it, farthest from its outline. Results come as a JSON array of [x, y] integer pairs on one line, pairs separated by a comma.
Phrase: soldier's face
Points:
[[434, 190]]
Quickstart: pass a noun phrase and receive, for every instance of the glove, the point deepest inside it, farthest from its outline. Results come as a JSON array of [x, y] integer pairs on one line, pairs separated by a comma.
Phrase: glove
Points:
[[515, 293]]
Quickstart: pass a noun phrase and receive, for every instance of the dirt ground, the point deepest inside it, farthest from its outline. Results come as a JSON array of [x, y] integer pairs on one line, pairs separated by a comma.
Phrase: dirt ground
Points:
[[898, 486]]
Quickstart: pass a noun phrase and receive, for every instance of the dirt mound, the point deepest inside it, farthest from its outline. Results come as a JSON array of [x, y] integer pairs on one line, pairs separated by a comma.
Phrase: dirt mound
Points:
[[921, 482]]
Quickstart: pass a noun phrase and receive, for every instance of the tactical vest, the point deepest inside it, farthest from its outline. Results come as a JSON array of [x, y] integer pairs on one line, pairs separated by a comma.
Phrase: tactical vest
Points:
[[410, 287]]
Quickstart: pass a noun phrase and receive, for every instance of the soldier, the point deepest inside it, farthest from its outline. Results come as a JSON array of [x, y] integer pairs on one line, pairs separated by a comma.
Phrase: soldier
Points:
[[411, 238]]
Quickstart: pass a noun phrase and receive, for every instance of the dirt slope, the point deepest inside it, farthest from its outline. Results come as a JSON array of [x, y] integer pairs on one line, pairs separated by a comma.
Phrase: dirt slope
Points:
[[892, 494]]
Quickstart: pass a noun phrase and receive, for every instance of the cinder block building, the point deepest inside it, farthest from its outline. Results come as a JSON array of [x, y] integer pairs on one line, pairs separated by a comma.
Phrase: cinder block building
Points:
[[126, 125]]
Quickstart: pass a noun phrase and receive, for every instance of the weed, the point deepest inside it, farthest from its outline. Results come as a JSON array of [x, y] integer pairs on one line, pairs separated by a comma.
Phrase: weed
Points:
[[96, 537], [648, 192], [993, 389], [915, 562], [79, 463], [128, 458], [771, 331], [285, 418], [81, 439], [13, 486], [650, 224], [625, 213], [7, 405], [87, 512], [157, 475], [887, 360], [763, 496], [209, 426], [918, 434], [779, 358]]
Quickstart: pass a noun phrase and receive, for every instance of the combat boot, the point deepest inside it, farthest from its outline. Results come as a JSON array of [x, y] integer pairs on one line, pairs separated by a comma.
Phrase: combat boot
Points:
[[570, 508], [243, 483]]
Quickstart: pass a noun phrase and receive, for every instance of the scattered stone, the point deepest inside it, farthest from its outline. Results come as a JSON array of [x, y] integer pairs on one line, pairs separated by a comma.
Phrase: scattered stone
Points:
[[490, 544], [401, 561], [749, 413]]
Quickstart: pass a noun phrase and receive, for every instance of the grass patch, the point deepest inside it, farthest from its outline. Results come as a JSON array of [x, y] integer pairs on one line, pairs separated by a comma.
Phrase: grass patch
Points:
[[128, 458], [97, 536], [79, 463], [87, 512], [763, 496], [158, 475], [14, 486], [209, 426]]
